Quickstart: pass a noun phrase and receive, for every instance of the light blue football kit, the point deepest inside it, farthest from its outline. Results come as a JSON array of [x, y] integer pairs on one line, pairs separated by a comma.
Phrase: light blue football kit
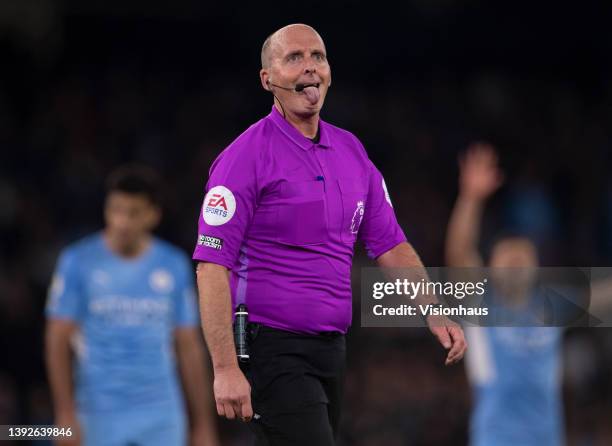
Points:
[[127, 387], [515, 374]]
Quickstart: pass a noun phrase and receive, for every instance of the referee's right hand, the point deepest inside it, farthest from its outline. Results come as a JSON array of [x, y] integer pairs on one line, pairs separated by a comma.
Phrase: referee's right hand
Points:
[[233, 394]]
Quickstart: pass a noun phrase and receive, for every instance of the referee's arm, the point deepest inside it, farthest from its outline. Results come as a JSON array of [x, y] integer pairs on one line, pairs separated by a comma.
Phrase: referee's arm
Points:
[[232, 390], [448, 333]]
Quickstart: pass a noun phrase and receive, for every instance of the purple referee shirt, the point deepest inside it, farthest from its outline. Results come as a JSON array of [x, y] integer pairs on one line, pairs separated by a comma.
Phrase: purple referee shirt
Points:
[[283, 213]]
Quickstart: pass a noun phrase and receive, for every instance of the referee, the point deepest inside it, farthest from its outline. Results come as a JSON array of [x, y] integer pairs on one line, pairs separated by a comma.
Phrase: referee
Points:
[[284, 205]]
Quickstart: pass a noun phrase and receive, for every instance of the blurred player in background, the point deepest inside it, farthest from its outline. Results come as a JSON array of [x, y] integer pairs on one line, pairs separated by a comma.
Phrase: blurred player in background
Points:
[[514, 371], [123, 302]]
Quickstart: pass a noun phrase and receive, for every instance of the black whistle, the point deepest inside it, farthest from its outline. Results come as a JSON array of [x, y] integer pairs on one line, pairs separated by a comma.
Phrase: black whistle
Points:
[[241, 321]]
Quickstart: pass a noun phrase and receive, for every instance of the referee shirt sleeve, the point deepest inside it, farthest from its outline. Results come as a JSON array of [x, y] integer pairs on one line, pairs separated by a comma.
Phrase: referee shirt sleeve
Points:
[[379, 230], [229, 205]]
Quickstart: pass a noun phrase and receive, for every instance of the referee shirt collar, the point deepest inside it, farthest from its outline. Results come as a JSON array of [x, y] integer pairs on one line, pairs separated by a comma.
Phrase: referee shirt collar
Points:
[[296, 136]]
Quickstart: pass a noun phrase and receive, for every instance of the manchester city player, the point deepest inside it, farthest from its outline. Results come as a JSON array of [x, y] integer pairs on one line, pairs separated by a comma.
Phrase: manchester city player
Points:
[[122, 303], [514, 371]]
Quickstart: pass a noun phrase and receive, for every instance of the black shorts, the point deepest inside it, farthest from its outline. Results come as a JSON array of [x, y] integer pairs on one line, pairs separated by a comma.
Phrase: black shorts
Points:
[[296, 387]]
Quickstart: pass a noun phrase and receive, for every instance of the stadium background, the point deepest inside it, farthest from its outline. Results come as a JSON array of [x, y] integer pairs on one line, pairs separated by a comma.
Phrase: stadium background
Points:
[[85, 86]]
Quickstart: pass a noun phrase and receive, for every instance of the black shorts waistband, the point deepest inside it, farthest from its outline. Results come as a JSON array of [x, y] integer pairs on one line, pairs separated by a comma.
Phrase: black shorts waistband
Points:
[[255, 327]]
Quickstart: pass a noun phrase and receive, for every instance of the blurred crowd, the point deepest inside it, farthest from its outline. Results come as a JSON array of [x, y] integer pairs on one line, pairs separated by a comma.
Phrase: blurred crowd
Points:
[[71, 115]]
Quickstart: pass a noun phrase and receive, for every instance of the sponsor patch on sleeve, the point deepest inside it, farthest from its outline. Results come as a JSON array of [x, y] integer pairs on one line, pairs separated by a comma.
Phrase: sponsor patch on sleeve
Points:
[[219, 206], [210, 242]]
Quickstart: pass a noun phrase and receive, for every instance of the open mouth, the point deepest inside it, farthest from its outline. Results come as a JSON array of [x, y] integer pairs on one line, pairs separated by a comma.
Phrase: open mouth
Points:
[[302, 87], [311, 91]]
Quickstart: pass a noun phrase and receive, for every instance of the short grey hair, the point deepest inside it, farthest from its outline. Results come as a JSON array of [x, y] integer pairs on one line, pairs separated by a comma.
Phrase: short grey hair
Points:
[[265, 51]]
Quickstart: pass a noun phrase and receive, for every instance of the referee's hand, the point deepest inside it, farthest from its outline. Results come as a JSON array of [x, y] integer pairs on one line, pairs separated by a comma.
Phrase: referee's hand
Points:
[[233, 394], [450, 335]]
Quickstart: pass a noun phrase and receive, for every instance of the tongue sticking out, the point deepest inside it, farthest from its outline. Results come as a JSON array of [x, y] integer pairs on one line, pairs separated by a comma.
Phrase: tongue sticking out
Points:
[[312, 94]]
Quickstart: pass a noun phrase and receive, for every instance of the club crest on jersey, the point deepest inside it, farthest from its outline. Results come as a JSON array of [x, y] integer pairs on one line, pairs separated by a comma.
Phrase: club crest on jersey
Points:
[[219, 206], [100, 277], [161, 281], [357, 217]]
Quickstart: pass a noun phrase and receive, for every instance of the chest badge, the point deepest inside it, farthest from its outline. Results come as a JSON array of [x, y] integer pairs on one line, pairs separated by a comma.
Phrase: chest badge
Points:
[[357, 217], [161, 281]]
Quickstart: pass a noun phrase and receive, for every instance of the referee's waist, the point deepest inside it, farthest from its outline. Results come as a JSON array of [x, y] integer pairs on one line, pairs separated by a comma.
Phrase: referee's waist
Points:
[[255, 327]]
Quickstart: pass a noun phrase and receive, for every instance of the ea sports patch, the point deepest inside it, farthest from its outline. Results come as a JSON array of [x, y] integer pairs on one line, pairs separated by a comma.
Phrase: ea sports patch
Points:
[[219, 206], [211, 242]]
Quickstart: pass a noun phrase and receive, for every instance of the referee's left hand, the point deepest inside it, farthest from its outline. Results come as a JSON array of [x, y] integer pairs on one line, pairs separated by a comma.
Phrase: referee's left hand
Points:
[[450, 335], [233, 394]]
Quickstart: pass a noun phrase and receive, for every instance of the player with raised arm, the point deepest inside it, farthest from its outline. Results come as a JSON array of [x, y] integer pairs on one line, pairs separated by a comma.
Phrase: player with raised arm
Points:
[[514, 371]]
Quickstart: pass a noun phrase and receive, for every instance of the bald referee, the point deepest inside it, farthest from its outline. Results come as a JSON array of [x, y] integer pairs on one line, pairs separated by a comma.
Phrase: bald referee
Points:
[[284, 205]]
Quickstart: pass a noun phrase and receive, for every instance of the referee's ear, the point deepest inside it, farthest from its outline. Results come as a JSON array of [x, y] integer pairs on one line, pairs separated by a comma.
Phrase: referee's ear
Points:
[[264, 77]]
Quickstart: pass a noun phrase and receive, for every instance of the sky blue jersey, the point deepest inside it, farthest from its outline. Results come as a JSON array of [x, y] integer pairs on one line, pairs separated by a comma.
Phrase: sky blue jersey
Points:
[[127, 310], [515, 374]]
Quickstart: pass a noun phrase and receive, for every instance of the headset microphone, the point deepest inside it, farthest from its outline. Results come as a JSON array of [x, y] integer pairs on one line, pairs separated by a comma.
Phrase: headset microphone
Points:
[[298, 87]]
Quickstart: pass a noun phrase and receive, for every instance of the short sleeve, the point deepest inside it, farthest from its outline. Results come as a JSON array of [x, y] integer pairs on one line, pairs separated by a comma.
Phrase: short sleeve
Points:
[[65, 299], [228, 207], [379, 230], [185, 308]]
